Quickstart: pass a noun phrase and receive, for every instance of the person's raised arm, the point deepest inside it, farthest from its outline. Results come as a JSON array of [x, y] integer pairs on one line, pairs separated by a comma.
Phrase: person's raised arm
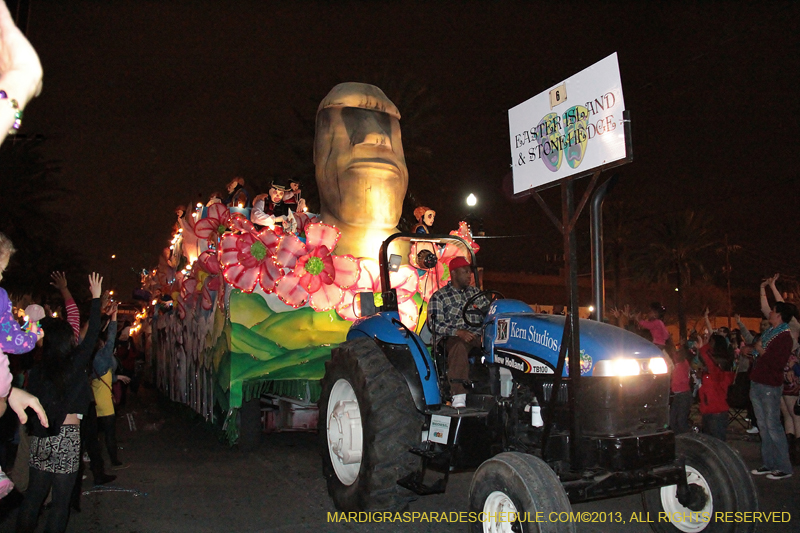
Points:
[[86, 347], [707, 321], [775, 293], [746, 335], [765, 309], [73, 315], [20, 73]]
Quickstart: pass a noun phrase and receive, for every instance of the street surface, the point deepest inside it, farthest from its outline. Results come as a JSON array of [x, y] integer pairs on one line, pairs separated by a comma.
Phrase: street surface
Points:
[[182, 479]]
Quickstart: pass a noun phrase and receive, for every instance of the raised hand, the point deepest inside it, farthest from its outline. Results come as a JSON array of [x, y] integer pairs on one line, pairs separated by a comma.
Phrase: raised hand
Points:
[[96, 284], [59, 280]]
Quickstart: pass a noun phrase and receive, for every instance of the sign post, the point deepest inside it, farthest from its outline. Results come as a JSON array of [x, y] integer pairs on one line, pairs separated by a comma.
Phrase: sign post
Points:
[[577, 128]]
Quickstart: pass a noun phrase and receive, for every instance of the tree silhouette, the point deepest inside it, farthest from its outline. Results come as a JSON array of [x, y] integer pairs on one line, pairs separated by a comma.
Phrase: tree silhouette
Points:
[[675, 243], [29, 191]]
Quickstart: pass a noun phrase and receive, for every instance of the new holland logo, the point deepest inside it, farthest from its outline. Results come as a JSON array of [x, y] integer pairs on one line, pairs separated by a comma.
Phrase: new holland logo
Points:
[[502, 331]]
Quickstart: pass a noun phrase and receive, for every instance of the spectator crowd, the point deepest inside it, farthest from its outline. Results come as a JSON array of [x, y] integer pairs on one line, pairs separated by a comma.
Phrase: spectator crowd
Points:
[[722, 369]]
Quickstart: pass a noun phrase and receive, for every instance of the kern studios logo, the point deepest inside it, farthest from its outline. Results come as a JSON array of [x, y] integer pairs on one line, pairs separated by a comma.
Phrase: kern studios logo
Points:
[[502, 330]]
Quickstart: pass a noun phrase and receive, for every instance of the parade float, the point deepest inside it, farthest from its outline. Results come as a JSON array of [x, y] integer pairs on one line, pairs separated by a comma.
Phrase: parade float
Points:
[[245, 313]]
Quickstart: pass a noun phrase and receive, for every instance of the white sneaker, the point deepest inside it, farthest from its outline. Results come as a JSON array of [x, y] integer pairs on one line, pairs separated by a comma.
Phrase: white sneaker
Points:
[[459, 401], [753, 430]]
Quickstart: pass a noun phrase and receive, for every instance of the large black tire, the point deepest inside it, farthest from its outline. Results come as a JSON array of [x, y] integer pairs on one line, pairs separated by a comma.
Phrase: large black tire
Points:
[[390, 426], [531, 486], [719, 470]]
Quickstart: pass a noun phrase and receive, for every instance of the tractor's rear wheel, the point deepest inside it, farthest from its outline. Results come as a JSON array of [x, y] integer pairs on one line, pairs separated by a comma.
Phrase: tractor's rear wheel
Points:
[[721, 482], [370, 422]]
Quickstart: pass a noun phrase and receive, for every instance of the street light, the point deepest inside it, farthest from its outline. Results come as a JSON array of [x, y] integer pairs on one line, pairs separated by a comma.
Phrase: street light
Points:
[[472, 201]]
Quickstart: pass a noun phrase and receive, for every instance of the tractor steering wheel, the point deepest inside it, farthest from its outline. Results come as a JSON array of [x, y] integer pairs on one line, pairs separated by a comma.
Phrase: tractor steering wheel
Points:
[[471, 310]]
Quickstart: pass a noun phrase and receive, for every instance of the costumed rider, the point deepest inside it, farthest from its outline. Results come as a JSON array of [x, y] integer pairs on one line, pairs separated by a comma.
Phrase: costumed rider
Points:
[[425, 217], [237, 194], [293, 196], [446, 320], [271, 210]]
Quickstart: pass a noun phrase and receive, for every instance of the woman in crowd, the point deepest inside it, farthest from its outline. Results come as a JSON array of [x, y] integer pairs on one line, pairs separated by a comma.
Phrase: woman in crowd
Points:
[[60, 381], [716, 378]]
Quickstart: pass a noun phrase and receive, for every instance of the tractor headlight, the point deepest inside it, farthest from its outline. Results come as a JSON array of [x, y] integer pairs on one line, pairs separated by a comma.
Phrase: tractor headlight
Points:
[[625, 366], [658, 365]]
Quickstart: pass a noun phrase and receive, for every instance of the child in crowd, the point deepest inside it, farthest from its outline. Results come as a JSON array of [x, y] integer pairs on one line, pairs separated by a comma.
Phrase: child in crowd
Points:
[[13, 339], [658, 330]]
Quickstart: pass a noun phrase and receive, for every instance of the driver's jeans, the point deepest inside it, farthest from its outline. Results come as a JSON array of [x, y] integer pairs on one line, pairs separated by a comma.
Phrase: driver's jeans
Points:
[[458, 362]]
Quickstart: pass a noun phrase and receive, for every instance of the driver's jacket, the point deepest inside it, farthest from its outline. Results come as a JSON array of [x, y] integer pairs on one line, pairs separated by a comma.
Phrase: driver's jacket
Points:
[[445, 310]]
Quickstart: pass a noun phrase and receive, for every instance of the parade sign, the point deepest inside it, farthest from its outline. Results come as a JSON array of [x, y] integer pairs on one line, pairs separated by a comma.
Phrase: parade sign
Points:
[[570, 129]]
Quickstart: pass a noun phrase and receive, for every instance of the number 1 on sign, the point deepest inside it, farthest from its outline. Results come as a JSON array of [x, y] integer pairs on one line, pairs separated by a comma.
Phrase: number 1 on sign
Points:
[[558, 95]]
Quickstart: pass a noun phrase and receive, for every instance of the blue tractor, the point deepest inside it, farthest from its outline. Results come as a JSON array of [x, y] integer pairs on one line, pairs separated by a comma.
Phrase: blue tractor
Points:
[[538, 438]]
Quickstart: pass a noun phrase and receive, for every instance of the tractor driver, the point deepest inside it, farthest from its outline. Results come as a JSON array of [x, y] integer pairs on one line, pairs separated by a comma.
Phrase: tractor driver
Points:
[[446, 320]]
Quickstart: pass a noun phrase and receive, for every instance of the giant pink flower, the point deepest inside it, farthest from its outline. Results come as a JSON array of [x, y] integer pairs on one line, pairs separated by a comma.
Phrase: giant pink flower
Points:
[[214, 224], [317, 275], [249, 259], [404, 281], [208, 264], [465, 233]]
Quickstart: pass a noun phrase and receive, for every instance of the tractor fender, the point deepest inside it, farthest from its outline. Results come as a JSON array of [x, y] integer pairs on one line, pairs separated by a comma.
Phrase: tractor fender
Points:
[[406, 352]]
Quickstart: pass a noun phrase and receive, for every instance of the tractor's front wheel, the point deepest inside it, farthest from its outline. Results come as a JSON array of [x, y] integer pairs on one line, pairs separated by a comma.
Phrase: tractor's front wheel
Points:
[[719, 482], [508, 491], [370, 422]]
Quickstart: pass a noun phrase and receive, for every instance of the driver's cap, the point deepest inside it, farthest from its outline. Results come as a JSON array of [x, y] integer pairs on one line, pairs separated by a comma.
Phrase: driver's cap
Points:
[[458, 262]]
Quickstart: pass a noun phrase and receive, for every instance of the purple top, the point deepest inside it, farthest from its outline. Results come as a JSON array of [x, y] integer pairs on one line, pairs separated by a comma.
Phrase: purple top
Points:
[[12, 340]]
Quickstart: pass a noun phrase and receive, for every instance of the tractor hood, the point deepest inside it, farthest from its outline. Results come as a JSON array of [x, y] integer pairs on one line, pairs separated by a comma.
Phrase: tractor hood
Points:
[[529, 342]]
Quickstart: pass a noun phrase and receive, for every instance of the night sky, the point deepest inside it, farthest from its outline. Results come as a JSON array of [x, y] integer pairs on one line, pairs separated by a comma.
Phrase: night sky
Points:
[[153, 104]]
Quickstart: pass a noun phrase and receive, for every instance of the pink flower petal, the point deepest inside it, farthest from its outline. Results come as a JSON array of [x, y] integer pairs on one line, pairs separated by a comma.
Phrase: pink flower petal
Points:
[[219, 212], [409, 314], [240, 223], [350, 306], [242, 277], [289, 250], [270, 273], [311, 283], [212, 283], [405, 280], [326, 297], [290, 291], [322, 235], [206, 228], [269, 239], [229, 250], [208, 262], [347, 270]]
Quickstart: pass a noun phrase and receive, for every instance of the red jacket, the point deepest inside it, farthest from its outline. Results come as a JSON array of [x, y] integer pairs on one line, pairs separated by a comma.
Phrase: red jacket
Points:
[[713, 393]]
